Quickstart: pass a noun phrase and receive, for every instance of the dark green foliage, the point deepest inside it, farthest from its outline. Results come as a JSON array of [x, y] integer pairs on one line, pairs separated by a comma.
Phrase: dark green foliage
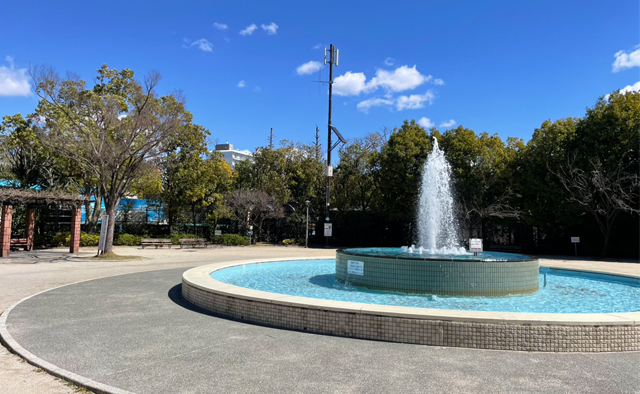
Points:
[[230, 240]]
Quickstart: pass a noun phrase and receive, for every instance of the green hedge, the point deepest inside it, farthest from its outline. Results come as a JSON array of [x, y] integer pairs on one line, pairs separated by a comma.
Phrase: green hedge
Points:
[[86, 239], [127, 239], [230, 240], [176, 237]]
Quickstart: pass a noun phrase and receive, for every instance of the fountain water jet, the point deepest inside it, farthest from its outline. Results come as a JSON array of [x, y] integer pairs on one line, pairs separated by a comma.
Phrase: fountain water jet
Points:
[[438, 264], [437, 227]]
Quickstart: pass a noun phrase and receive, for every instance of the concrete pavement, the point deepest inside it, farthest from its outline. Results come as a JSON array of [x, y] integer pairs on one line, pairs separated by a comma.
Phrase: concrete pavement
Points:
[[135, 332]]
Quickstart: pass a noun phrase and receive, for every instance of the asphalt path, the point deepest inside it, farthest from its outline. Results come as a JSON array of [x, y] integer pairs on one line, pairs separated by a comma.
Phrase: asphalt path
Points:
[[136, 333]]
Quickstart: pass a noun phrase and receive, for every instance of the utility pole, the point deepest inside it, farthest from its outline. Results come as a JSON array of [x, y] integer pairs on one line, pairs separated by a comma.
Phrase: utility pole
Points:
[[317, 142], [333, 59], [271, 139]]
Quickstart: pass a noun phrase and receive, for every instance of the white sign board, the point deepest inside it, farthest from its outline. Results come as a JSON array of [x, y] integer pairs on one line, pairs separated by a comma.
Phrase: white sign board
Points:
[[328, 229], [217, 232], [355, 267], [575, 240], [475, 244], [103, 232]]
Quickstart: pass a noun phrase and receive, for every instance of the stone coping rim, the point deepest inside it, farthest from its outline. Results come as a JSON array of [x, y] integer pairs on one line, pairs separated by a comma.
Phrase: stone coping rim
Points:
[[381, 256], [200, 277]]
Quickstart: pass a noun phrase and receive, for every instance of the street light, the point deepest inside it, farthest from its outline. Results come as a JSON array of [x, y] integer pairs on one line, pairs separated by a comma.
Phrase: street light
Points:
[[306, 244]]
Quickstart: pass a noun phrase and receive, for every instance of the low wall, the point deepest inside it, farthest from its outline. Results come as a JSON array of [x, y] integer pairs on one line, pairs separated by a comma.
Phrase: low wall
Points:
[[445, 277], [611, 332]]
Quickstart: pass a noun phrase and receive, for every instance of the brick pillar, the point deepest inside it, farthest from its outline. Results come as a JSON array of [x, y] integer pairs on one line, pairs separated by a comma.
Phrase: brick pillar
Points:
[[5, 230], [30, 226], [74, 246]]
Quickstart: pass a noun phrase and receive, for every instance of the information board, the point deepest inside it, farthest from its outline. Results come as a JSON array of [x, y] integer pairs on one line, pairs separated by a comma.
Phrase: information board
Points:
[[475, 244], [328, 229], [104, 224], [575, 240], [355, 267]]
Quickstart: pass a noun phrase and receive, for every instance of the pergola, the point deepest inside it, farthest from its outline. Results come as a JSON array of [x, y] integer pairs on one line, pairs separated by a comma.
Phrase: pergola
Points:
[[31, 198]]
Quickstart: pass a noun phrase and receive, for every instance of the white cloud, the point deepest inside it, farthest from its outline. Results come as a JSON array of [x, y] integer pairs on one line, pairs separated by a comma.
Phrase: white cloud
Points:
[[426, 123], [317, 46], [203, 44], [438, 82], [626, 60], [249, 30], [14, 82], [448, 123], [270, 28], [241, 84], [415, 101], [374, 102], [402, 78], [349, 84], [220, 26], [629, 88], [309, 68], [389, 61]]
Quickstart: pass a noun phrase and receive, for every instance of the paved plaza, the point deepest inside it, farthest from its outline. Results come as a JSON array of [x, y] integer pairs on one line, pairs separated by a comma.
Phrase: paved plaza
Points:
[[125, 325]]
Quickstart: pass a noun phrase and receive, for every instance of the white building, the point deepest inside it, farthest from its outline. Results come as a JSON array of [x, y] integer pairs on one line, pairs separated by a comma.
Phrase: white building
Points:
[[233, 156]]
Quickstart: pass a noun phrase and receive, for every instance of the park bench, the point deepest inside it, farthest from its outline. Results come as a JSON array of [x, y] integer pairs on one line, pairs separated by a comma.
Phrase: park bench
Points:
[[193, 242], [155, 242], [505, 248], [20, 243]]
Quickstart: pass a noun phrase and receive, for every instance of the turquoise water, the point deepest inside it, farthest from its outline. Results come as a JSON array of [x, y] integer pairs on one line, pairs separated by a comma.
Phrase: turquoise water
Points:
[[316, 279]]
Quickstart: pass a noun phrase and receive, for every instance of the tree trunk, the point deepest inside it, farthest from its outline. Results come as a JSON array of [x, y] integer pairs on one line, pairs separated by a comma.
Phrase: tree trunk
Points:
[[193, 218], [110, 206], [92, 216]]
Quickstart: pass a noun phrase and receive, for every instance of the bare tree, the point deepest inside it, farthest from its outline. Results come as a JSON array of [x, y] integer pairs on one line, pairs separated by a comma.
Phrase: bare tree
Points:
[[110, 130], [603, 194], [254, 207]]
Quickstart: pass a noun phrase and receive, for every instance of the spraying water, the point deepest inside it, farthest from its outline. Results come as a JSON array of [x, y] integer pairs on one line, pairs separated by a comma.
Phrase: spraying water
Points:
[[437, 227]]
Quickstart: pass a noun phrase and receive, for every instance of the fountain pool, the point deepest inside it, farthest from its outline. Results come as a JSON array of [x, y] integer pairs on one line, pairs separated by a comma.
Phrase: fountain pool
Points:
[[484, 294]]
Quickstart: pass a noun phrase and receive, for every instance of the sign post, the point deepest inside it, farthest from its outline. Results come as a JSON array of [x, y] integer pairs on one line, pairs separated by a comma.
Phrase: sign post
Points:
[[104, 224], [475, 245], [575, 241], [328, 229]]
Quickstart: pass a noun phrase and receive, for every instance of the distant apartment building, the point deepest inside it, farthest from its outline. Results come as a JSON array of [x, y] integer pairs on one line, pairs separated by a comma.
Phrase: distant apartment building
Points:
[[233, 156]]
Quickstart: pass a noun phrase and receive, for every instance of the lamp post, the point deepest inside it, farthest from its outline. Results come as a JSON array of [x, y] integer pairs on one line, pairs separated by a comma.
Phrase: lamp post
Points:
[[306, 243]]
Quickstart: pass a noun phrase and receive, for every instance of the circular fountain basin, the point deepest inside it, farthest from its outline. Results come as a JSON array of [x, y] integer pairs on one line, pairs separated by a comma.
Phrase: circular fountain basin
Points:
[[552, 332], [484, 274]]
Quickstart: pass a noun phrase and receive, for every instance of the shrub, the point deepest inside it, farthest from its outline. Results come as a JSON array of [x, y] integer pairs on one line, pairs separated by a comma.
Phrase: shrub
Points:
[[230, 240], [86, 239], [127, 239], [176, 237], [287, 242]]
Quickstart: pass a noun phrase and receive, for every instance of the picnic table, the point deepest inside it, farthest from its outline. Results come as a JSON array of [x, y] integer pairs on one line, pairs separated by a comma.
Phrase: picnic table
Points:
[[155, 242], [193, 242]]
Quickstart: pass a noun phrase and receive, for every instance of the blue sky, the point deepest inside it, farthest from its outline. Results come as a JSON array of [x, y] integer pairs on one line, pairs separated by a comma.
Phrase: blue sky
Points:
[[497, 66]]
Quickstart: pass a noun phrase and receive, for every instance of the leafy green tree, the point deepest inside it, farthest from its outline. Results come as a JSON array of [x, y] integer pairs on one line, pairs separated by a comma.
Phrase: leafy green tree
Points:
[[185, 151], [28, 162], [601, 174], [355, 186], [292, 174], [544, 201], [111, 129], [399, 174], [480, 165]]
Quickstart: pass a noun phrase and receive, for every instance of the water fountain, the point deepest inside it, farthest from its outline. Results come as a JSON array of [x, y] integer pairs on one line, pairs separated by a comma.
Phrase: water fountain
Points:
[[435, 293], [439, 265]]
